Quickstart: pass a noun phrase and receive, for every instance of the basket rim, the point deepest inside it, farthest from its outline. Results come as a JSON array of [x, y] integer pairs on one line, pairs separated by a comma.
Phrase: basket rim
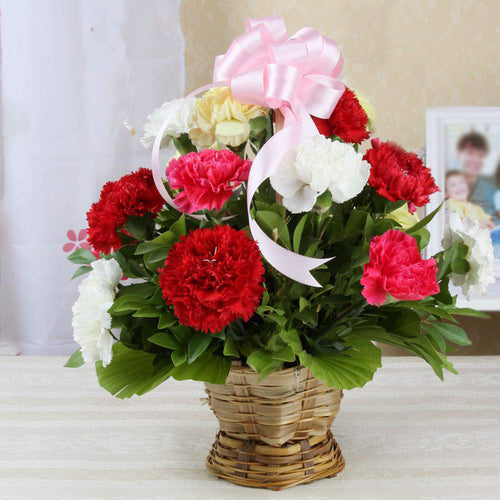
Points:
[[236, 366]]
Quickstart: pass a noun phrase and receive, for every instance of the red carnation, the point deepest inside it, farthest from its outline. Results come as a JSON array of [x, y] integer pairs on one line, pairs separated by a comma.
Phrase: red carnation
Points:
[[397, 174], [349, 120], [206, 179], [213, 276], [397, 269], [133, 194]]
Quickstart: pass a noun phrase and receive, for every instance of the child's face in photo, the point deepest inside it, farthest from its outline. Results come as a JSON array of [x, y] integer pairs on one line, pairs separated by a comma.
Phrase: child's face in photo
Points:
[[471, 160], [456, 187]]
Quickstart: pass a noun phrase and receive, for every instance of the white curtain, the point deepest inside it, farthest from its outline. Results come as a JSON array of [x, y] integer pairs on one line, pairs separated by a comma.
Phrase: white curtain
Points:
[[71, 72]]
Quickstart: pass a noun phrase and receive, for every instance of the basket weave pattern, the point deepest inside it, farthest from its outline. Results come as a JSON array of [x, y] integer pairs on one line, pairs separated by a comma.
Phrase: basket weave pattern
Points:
[[274, 433]]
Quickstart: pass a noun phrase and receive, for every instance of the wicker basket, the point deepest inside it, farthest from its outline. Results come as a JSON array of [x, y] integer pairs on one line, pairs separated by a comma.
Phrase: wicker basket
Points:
[[275, 433]]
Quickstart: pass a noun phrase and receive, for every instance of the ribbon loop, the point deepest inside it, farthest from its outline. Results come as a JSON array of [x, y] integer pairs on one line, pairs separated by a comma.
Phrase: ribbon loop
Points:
[[280, 84], [275, 25]]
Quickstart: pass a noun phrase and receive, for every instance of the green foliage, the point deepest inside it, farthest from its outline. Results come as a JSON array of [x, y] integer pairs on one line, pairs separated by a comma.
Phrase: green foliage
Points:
[[353, 367], [81, 270], [452, 333], [75, 360], [207, 368], [331, 329], [183, 144], [132, 371], [167, 340], [198, 344], [421, 346], [275, 226], [81, 256], [424, 221]]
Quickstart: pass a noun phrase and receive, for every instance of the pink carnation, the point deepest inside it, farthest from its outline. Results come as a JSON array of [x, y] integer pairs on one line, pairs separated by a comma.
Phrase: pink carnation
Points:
[[206, 179], [397, 269]]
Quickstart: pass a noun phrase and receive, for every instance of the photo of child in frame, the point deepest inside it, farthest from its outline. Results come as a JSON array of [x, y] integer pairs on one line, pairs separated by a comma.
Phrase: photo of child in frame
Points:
[[472, 186], [463, 152]]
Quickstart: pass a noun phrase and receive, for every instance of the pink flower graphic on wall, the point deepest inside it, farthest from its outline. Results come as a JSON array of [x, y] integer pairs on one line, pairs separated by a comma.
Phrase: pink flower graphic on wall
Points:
[[78, 241]]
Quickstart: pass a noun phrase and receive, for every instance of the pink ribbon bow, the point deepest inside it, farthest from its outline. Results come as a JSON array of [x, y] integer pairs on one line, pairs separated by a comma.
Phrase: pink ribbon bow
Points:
[[265, 67], [298, 76]]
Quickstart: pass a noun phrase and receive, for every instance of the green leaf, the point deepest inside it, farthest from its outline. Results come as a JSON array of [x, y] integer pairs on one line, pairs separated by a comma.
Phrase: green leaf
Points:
[[262, 310], [311, 251], [274, 225], [452, 332], [369, 228], [81, 270], [276, 318], [465, 311], [421, 346], [141, 289], [130, 268], [348, 369], [307, 316], [297, 234], [460, 266], [324, 200], [405, 323], [356, 223], [82, 256], [230, 348], [263, 363], [178, 357], [127, 304], [132, 371], [178, 228], [423, 222], [75, 360], [292, 338], [284, 354], [136, 226], [182, 333], [430, 309], [258, 125], [157, 255], [147, 312], [440, 342], [183, 144], [422, 236], [157, 298], [383, 205], [164, 339], [335, 138], [207, 368], [303, 303], [166, 320], [382, 225], [197, 346], [165, 240]]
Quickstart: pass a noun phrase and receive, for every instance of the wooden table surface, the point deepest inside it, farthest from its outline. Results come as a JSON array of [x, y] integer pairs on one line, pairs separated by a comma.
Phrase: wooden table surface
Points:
[[404, 436]]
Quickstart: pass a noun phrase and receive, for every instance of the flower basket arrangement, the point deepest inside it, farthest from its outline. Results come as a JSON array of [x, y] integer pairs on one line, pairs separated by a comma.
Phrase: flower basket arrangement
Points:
[[269, 258]]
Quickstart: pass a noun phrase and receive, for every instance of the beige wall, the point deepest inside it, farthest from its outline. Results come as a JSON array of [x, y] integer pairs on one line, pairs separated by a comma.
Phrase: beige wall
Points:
[[404, 55]]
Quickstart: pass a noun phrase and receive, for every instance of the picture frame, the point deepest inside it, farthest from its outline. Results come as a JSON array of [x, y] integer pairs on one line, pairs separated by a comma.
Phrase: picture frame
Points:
[[471, 175]]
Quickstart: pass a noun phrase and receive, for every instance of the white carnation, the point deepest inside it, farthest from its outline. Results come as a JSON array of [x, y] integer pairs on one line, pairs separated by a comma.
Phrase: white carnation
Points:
[[180, 113], [316, 165], [91, 320], [480, 255]]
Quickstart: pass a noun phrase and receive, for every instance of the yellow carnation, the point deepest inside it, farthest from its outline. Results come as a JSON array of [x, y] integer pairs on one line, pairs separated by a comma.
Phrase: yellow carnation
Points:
[[403, 217], [221, 118]]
